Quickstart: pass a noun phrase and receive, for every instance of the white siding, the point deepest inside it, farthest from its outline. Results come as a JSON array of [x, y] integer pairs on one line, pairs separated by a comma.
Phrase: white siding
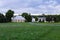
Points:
[[18, 19]]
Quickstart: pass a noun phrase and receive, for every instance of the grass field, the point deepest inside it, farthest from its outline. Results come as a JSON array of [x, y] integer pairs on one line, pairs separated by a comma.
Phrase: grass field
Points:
[[29, 31]]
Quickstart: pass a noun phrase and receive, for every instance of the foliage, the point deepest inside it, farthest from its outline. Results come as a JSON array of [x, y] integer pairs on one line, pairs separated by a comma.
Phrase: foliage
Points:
[[2, 18], [9, 14], [49, 18], [27, 17], [36, 18], [55, 18]]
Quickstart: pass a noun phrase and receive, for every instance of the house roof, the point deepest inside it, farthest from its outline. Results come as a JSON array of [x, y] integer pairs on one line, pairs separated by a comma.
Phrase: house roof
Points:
[[18, 17]]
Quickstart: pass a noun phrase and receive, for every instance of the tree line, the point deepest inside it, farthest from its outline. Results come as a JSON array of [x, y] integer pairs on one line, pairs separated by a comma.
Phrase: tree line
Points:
[[55, 18], [7, 17], [9, 14]]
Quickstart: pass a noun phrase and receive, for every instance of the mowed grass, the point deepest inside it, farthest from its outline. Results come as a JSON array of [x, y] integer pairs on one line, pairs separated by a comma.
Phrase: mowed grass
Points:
[[29, 31]]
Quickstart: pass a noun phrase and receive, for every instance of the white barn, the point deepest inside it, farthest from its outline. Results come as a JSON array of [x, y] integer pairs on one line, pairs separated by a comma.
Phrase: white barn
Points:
[[18, 19]]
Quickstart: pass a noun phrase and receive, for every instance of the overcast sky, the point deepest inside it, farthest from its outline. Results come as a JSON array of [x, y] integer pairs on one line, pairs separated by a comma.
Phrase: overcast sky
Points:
[[31, 6]]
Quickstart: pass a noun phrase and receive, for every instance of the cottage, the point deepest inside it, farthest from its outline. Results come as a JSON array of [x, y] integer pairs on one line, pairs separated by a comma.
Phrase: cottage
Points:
[[18, 19]]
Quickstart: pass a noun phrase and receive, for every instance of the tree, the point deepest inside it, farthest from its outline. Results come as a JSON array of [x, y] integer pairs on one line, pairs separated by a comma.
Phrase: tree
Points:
[[36, 18], [2, 18], [56, 18], [9, 14], [43, 15], [49, 18], [27, 16]]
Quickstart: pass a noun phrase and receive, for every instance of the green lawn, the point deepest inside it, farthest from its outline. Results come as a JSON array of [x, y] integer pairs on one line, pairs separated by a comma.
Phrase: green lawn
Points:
[[29, 31]]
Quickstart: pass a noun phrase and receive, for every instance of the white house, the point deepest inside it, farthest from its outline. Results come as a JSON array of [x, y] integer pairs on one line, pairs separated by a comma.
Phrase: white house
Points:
[[22, 19], [33, 19], [18, 19], [42, 19]]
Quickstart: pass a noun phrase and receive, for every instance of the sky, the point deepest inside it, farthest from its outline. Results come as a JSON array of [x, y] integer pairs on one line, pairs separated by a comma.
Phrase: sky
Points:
[[36, 7]]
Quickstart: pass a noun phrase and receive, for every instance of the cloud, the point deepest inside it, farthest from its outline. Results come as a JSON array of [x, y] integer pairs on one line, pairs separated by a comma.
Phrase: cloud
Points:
[[30, 6], [50, 7]]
